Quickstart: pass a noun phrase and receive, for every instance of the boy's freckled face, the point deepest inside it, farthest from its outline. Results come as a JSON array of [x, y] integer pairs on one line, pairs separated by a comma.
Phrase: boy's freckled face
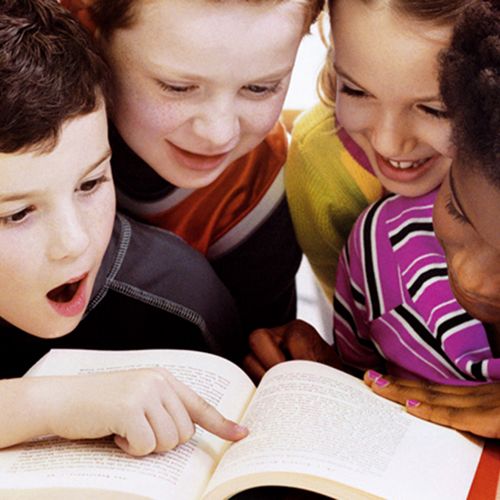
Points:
[[198, 84], [388, 93], [56, 216], [467, 225]]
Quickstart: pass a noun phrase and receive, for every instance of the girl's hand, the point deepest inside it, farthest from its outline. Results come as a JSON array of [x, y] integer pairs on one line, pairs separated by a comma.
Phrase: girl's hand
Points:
[[474, 409], [147, 410], [295, 340]]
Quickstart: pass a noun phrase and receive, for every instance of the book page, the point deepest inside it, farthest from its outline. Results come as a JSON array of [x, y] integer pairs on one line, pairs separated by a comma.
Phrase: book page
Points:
[[181, 473], [312, 419]]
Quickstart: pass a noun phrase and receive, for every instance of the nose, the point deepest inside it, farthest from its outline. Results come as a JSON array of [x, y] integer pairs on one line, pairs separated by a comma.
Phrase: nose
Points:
[[392, 136], [217, 125], [68, 236]]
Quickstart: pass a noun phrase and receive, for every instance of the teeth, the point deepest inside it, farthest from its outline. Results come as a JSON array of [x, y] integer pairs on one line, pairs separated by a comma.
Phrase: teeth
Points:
[[406, 164]]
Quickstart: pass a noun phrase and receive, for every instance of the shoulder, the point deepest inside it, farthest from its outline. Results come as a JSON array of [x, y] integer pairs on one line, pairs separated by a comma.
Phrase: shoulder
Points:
[[396, 218], [321, 161], [151, 256], [151, 264], [390, 241], [155, 267], [317, 124]]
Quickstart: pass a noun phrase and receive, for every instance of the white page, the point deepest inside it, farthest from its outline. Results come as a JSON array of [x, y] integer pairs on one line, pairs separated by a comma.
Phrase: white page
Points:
[[61, 463], [324, 422]]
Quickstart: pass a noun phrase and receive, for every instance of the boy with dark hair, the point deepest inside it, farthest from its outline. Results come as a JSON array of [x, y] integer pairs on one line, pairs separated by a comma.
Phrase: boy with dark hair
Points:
[[74, 275]]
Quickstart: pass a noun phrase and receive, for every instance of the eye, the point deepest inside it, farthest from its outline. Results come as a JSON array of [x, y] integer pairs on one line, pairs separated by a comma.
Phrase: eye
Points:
[[92, 185], [434, 112], [262, 90], [176, 89], [351, 91], [17, 217], [451, 209]]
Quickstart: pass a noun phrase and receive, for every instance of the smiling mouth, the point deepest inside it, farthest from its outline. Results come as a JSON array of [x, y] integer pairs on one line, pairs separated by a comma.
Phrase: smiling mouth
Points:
[[199, 162], [403, 165], [190, 154], [65, 293]]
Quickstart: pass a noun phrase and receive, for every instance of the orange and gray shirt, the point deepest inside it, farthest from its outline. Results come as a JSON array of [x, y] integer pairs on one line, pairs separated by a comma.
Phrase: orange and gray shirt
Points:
[[240, 222]]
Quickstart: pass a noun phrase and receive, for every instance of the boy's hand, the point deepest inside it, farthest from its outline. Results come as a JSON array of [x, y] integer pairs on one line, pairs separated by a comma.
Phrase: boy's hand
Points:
[[474, 409], [295, 340], [147, 410]]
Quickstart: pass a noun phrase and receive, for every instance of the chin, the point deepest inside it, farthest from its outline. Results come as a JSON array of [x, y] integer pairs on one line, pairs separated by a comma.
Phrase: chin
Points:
[[55, 332]]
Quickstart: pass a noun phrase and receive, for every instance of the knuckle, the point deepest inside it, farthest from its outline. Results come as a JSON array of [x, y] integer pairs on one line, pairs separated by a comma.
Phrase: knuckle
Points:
[[444, 416], [186, 433], [168, 442], [428, 386], [256, 337], [205, 406], [433, 397], [141, 448]]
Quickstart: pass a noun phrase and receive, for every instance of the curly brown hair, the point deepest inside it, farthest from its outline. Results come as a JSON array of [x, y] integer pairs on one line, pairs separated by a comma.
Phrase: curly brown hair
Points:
[[437, 12], [470, 86], [50, 72], [110, 16]]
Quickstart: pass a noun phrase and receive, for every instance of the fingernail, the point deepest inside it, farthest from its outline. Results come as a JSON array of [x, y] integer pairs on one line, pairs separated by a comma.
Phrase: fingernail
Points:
[[241, 429], [412, 403], [373, 375], [381, 382]]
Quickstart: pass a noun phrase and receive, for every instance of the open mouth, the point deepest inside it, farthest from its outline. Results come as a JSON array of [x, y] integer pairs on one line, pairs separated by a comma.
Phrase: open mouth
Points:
[[70, 298], [65, 292]]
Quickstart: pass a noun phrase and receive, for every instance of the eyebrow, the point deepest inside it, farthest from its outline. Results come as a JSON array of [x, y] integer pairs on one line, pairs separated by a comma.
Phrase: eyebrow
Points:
[[179, 75], [343, 73], [21, 196], [453, 190]]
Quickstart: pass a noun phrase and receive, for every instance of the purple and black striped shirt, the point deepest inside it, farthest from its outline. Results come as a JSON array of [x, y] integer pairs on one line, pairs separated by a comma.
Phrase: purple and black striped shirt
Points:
[[394, 308]]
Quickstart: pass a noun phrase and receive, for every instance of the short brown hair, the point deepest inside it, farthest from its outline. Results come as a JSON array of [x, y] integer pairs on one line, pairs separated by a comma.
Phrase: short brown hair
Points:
[[50, 72], [110, 16], [435, 12], [470, 87]]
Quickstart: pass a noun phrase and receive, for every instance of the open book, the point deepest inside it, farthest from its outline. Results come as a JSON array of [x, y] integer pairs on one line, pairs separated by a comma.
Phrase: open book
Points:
[[311, 427]]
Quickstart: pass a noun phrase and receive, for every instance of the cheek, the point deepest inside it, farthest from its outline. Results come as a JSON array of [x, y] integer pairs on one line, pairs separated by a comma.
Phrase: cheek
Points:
[[438, 137], [21, 259], [260, 118], [350, 115], [100, 216], [137, 112], [147, 121]]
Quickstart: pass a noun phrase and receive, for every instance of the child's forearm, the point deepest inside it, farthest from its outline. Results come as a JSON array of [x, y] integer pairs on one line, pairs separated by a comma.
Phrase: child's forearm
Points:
[[24, 403], [146, 410]]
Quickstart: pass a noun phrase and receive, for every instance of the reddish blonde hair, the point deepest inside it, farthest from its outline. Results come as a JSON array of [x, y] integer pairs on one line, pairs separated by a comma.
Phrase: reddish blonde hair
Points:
[[110, 16]]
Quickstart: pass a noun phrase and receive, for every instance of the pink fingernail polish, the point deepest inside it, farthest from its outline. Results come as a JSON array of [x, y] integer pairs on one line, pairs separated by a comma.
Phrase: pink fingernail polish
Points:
[[381, 382], [412, 403], [374, 375]]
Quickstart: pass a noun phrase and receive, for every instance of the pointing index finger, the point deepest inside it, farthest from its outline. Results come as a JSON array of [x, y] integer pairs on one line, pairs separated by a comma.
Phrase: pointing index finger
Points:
[[206, 415]]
